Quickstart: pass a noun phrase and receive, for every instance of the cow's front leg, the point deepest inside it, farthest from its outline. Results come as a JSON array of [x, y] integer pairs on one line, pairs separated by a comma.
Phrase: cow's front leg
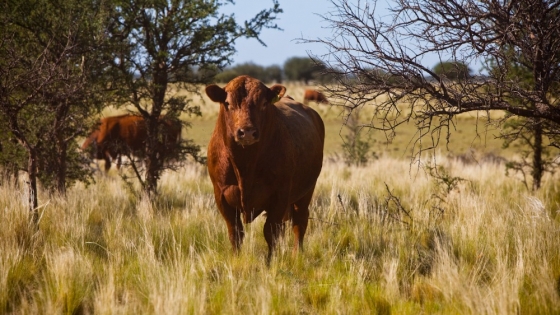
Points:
[[230, 208], [235, 227]]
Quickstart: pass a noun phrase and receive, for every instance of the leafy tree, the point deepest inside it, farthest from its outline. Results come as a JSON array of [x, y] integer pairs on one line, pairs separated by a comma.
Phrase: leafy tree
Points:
[[159, 42], [264, 74], [523, 33], [303, 69], [356, 149], [452, 70], [527, 134], [273, 74], [12, 157], [48, 52], [249, 68], [226, 75]]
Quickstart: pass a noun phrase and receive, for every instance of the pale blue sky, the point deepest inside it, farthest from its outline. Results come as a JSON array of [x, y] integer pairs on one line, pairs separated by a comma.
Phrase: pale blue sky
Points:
[[300, 19]]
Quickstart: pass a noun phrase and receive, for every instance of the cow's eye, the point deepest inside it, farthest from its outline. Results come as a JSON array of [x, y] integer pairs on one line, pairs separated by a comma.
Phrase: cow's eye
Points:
[[226, 104]]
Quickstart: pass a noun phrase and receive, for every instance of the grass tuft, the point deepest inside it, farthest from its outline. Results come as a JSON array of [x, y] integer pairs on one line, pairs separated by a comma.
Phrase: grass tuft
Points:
[[382, 239]]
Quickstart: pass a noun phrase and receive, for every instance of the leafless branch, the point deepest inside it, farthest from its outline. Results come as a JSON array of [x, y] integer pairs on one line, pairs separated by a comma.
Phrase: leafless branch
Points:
[[380, 60]]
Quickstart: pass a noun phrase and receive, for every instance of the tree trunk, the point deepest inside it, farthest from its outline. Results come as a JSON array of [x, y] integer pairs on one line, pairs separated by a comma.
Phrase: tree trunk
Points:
[[32, 186], [154, 156], [153, 167], [538, 167], [61, 166]]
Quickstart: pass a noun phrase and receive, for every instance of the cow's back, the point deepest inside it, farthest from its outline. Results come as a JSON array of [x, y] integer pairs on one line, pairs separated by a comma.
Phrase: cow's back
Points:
[[304, 125], [129, 130], [310, 95], [132, 129]]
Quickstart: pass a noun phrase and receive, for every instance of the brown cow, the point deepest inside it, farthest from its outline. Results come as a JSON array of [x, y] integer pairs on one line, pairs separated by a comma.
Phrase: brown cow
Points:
[[126, 134], [265, 154], [314, 96]]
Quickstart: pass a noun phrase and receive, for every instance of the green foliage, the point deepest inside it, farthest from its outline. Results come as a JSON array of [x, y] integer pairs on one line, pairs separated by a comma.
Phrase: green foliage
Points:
[[226, 76], [452, 70], [525, 134], [444, 183], [265, 74], [273, 74], [356, 149], [50, 83], [12, 156], [303, 69]]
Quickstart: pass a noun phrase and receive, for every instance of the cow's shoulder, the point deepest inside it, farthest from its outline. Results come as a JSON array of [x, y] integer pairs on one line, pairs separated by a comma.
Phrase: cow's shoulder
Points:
[[299, 122], [291, 110]]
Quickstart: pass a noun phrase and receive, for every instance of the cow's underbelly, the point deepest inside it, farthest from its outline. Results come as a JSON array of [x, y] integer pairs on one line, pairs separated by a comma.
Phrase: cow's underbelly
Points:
[[270, 189], [258, 198]]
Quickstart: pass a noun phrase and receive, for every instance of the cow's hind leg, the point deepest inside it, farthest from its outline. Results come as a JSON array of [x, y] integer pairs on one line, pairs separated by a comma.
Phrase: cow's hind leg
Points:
[[119, 162], [300, 217], [107, 164], [235, 227]]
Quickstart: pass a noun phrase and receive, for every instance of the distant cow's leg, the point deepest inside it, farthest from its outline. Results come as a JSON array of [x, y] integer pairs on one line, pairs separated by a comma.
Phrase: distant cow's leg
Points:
[[107, 159], [227, 201], [300, 217]]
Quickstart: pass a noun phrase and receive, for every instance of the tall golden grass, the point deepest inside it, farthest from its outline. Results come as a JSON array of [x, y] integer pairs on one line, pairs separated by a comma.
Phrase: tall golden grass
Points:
[[390, 237], [387, 238]]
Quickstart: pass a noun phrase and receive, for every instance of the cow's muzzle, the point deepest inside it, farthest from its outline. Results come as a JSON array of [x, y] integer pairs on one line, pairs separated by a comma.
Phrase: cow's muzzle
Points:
[[247, 135]]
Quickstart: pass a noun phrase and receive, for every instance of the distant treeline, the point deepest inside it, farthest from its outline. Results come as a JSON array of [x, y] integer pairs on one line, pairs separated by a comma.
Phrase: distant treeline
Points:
[[303, 69]]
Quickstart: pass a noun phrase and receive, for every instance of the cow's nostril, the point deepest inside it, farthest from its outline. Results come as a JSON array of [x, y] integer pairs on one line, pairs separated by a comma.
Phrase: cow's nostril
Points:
[[240, 133], [247, 134]]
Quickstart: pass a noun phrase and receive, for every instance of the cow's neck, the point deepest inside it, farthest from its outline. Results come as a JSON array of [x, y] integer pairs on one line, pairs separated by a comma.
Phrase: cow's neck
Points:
[[245, 159]]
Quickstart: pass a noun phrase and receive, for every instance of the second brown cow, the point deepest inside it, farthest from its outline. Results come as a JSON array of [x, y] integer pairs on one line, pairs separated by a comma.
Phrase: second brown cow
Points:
[[126, 135], [265, 154], [314, 96]]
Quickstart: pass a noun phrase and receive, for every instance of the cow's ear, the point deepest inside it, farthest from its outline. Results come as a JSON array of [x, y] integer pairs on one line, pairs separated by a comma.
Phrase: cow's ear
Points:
[[216, 93], [277, 92]]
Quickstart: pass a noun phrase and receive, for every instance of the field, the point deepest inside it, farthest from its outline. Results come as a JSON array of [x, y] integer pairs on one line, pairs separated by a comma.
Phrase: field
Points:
[[389, 237], [472, 134]]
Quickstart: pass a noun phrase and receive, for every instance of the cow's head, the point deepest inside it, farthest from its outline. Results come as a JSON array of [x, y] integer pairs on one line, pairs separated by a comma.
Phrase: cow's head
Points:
[[91, 148], [245, 102]]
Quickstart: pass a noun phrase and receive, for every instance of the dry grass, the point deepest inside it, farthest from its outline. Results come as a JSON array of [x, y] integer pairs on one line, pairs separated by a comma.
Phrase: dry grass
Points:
[[471, 132], [386, 238], [484, 246]]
